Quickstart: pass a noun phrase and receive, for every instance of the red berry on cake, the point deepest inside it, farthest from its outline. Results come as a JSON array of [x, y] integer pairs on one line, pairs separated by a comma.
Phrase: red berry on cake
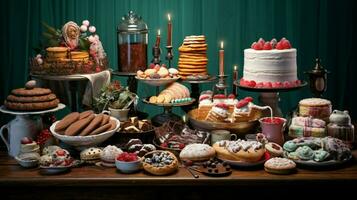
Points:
[[242, 82], [282, 39], [242, 103], [286, 44], [252, 83], [267, 85], [259, 85], [231, 96], [222, 105], [267, 46], [261, 41], [26, 140], [219, 96], [253, 44], [203, 97], [287, 84], [60, 152], [273, 43], [279, 45], [258, 46], [277, 84], [249, 99]]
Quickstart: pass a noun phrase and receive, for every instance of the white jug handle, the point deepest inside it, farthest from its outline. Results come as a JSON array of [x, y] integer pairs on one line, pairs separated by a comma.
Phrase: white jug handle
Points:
[[106, 112], [6, 126]]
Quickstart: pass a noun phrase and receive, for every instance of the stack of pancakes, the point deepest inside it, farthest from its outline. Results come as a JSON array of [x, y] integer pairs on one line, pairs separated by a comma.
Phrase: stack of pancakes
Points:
[[31, 99], [193, 56]]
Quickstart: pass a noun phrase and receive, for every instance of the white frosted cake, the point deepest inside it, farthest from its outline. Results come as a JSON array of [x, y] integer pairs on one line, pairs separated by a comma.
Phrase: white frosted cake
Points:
[[270, 64]]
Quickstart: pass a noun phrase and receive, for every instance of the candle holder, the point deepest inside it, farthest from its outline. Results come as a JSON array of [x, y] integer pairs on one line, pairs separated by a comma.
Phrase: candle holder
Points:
[[156, 52], [221, 85], [169, 55]]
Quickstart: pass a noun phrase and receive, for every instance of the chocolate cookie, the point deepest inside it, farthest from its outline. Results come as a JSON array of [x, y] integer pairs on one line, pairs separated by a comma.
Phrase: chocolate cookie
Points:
[[31, 106], [92, 125], [67, 121], [76, 127], [31, 92], [31, 99]]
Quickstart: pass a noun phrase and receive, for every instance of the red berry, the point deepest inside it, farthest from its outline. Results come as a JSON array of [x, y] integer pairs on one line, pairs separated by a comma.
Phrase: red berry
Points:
[[277, 84], [259, 85], [267, 155], [287, 84], [242, 103], [164, 145], [261, 41], [249, 99], [242, 82], [273, 43], [222, 105], [267, 85], [181, 146], [97, 69], [286, 44], [282, 39], [279, 46], [298, 82], [152, 65], [258, 46], [231, 96], [267, 46], [60, 152], [219, 96], [252, 83], [253, 44], [203, 97], [26, 140]]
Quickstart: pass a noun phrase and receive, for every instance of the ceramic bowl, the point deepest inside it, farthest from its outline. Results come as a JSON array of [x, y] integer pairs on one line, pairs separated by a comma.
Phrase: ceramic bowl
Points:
[[26, 162], [128, 167], [158, 82], [81, 142]]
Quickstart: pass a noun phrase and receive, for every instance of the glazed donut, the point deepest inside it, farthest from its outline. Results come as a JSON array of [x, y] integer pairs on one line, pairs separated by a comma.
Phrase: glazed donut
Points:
[[240, 150]]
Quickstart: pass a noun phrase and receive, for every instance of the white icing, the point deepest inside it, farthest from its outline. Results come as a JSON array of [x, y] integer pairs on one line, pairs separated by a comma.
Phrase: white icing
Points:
[[206, 102], [235, 146], [231, 101], [216, 101], [270, 65], [220, 111], [315, 102]]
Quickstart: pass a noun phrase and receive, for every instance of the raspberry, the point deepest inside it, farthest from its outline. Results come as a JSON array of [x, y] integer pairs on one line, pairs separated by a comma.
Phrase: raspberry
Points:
[[253, 44], [222, 105], [97, 69], [273, 43], [60, 152], [152, 66], [279, 46], [259, 85], [242, 82], [282, 39], [252, 83], [287, 84], [267, 46], [249, 99], [286, 44], [219, 96], [258, 46], [267, 155], [181, 146], [277, 84], [267, 85], [231, 96], [261, 41], [242, 103]]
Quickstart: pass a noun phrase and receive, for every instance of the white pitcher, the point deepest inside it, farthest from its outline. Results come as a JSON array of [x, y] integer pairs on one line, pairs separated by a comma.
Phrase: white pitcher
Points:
[[21, 126]]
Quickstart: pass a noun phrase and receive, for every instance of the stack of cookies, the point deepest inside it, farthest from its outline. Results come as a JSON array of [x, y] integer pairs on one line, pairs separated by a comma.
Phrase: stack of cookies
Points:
[[193, 56], [31, 98]]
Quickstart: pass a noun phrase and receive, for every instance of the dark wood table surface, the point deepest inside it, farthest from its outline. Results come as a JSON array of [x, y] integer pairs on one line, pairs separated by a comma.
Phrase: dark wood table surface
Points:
[[108, 182]]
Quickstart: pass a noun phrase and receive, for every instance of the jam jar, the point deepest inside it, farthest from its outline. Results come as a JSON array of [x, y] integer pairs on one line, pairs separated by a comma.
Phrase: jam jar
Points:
[[132, 35], [340, 127]]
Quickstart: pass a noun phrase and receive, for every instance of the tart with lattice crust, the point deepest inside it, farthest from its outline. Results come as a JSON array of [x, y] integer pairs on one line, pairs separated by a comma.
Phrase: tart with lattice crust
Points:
[[160, 163]]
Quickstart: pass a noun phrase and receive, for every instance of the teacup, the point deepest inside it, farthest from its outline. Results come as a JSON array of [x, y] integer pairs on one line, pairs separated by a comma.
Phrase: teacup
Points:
[[218, 135], [273, 129]]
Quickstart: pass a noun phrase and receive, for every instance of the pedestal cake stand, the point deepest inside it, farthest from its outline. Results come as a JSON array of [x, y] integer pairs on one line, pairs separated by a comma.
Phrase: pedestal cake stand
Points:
[[270, 96]]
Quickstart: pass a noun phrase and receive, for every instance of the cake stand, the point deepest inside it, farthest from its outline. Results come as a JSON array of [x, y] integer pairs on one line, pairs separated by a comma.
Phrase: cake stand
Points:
[[270, 96], [167, 115]]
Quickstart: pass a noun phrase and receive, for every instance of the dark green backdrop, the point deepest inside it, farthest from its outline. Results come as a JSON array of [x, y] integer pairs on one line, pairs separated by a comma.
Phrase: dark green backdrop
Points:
[[316, 28]]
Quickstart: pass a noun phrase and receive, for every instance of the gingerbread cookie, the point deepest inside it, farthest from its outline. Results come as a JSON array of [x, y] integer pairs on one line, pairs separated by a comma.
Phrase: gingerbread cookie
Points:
[[31, 106], [31, 92], [67, 121], [85, 114], [92, 125], [76, 127], [31, 99]]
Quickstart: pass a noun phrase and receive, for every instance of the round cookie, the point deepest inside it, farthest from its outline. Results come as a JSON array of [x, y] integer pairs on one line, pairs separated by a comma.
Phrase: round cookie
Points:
[[67, 121], [31, 106], [101, 129], [280, 166], [105, 120], [91, 155], [92, 125], [197, 152], [31, 99], [85, 114], [76, 127], [31, 92]]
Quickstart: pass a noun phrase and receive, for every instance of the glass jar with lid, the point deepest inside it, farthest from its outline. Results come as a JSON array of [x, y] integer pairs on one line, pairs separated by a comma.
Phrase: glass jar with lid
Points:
[[132, 41]]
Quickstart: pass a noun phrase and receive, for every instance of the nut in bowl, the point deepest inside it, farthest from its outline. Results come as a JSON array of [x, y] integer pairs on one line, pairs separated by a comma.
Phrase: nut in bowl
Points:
[[128, 163], [84, 129]]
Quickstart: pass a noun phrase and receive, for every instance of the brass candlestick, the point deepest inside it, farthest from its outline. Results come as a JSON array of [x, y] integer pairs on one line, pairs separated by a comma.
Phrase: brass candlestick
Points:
[[221, 85], [169, 55], [156, 52]]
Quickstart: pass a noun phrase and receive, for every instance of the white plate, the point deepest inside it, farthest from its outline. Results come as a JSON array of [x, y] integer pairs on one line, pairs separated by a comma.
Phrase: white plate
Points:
[[84, 141], [158, 82], [14, 112]]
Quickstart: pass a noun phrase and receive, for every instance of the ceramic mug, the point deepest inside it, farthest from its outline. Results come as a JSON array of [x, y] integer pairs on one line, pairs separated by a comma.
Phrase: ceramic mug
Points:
[[273, 129], [120, 114], [218, 135]]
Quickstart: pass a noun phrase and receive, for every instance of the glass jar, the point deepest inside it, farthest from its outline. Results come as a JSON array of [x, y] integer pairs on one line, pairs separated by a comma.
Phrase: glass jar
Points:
[[132, 43], [340, 127]]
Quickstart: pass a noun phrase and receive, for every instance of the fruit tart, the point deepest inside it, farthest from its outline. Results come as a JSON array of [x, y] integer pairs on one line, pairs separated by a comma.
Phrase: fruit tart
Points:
[[160, 163]]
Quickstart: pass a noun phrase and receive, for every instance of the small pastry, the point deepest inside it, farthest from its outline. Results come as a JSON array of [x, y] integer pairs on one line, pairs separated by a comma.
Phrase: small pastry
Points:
[[320, 155], [293, 156], [109, 154], [50, 149], [91, 155], [290, 146], [274, 149], [279, 166], [160, 163], [305, 153], [218, 113], [29, 146], [197, 152]]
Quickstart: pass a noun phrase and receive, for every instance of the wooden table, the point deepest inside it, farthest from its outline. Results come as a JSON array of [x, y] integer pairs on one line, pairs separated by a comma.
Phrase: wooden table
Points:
[[92, 182]]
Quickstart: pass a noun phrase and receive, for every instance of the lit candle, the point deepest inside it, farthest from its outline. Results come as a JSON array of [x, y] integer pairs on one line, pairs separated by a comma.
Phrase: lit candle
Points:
[[157, 44], [169, 31], [221, 60], [235, 73]]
